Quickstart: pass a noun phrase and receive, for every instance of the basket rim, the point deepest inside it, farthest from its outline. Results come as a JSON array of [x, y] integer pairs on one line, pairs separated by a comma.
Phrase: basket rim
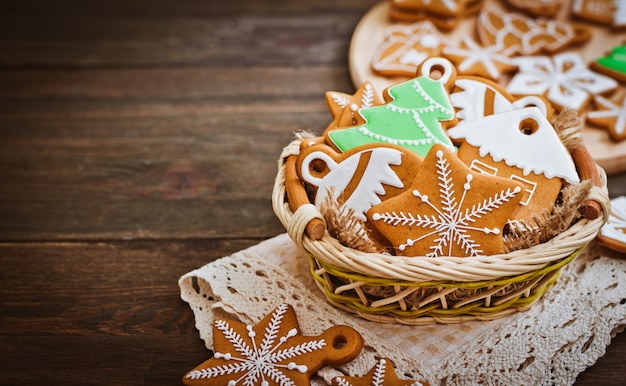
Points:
[[422, 268]]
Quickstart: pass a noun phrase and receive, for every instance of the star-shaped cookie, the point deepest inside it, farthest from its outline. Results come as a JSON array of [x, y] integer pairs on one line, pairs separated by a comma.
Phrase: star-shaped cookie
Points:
[[611, 115], [344, 108], [273, 352], [470, 58], [448, 211], [382, 374]]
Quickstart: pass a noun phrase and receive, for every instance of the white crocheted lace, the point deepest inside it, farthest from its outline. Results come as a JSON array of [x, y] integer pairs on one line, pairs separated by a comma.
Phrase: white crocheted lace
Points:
[[565, 332]]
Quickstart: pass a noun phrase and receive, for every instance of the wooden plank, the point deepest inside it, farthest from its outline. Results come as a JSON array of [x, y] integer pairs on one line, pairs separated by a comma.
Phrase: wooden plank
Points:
[[100, 313], [85, 155], [139, 33]]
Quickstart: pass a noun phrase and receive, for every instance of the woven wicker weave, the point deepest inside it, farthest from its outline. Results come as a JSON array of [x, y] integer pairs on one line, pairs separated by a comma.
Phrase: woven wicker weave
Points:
[[418, 290]]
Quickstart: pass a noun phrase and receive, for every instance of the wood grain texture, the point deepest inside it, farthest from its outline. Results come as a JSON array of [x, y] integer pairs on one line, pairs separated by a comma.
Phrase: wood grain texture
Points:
[[138, 141]]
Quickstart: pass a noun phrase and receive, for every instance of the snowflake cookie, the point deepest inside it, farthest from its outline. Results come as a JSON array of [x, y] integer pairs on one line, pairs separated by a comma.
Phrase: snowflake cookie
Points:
[[448, 211], [382, 374], [411, 116], [272, 353], [613, 234], [564, 79], [611, 115]]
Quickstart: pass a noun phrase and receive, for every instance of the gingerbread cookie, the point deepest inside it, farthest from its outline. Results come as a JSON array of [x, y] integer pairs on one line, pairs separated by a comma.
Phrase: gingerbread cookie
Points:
[[382, 374], [611, 115], [448, 211], [522, 35], [563, 79], [272, 352], [411, 116], [613, 234], [532, 155], [359, 178], [537, 7], [445, 14], [472, 59], [613, 64], [605, 12], [476, 97], [405, 47], [344, 108]]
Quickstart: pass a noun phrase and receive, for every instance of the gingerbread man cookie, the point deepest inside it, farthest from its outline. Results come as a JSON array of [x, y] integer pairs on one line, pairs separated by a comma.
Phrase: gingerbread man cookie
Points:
[[532, 155], [411, 116], [405, 47], [382, 374], [613, 234], [563, 79], [272, 353], [448, 211]]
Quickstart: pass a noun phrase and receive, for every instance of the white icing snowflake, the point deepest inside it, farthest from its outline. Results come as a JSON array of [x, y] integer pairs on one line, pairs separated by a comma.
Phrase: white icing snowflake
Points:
[[453, 222], [564, 79], [490, 58], [259, 362]]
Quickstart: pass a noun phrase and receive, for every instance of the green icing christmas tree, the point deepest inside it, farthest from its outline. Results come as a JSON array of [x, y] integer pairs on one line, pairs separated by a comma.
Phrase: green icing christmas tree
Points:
[[615, 61], [410, 119]]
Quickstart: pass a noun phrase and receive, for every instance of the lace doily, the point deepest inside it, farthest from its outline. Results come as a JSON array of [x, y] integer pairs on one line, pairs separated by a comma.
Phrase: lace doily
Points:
[[565, 332]]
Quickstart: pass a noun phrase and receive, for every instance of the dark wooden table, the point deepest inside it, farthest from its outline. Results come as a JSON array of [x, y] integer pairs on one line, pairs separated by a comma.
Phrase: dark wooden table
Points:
[[138, 141]]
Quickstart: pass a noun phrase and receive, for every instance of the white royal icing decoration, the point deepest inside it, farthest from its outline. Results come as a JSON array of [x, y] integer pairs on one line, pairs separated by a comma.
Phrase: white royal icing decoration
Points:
[[564, 79], [470, 101], [406, 58], [499, 135], [377, 173], [260, 361], [454, 220], [612, 111], [616, 225], [487, 57]]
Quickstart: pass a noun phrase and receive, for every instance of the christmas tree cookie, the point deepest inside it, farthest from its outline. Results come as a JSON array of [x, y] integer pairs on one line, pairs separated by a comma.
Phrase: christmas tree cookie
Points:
[[411, 116], [613, 64], [448, 211]]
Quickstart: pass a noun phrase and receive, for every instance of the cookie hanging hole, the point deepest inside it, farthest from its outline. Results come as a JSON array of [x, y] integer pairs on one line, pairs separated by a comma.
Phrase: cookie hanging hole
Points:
[[319, 168], [436, 72], [438, 69], [528, 126], [339, 342]]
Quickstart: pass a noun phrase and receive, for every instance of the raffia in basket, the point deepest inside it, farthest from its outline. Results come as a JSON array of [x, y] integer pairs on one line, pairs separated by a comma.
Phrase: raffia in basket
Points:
[[421, 290]]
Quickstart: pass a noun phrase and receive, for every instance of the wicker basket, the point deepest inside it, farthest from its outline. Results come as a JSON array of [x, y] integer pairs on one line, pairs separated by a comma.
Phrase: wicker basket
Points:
[[421, 290]]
